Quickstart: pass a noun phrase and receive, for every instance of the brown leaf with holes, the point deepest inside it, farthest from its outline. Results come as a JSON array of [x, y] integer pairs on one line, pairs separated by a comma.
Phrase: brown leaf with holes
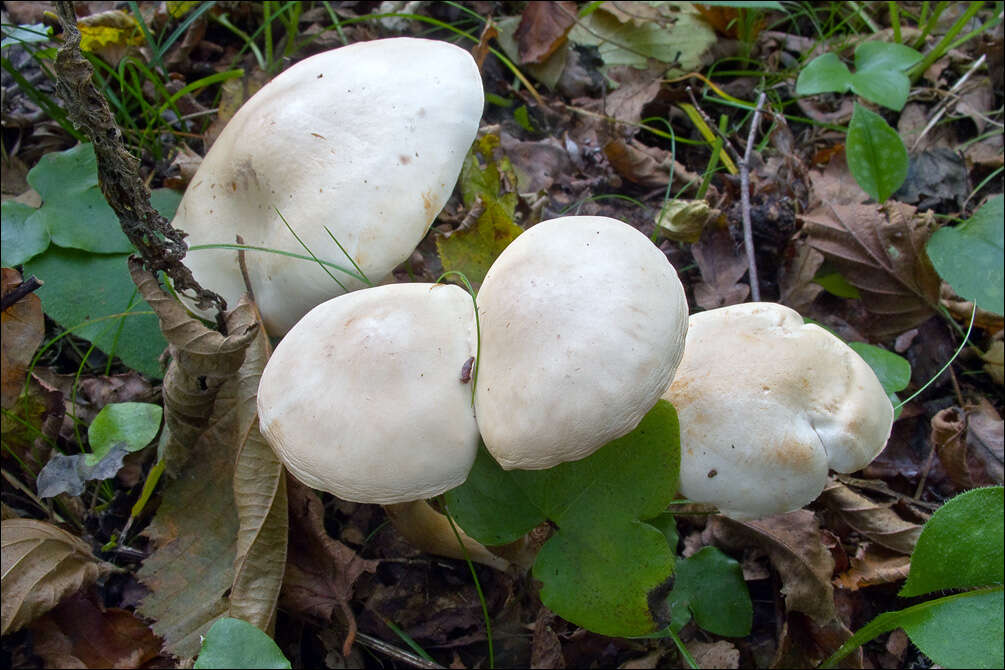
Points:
[[80, 631], [42, 564], [872, 565], [320, 571], [797, 551], [877, 521], [543, 29], [23, 328], [881, 251], [722, 268]]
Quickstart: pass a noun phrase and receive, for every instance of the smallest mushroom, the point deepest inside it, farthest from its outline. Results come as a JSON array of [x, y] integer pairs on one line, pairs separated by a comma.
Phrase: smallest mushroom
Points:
[[767, 404]]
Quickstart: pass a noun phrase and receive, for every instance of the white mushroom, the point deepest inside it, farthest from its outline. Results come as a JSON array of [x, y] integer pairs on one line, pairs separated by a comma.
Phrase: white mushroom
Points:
[[767, 404], [582, 326], [366, 140], [363, 397]]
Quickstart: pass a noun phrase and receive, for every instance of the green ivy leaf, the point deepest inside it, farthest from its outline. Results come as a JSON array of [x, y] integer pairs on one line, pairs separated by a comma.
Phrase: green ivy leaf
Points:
[[20, 238], [86, 293], [234, 643], [710, 584], [73, 209], [600, 567], [876, 155], [824, 74], [971, 256], [131, 424], [961, 546]]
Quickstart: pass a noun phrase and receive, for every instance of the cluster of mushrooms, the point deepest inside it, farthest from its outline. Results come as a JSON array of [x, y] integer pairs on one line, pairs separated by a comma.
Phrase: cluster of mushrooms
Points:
[[382, 394]]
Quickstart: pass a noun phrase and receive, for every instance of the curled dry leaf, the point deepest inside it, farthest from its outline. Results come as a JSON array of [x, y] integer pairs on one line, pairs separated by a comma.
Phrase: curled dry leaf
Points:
[[880, 251], [797, 551], [804, 643], [970, 444], [543, 29], [23, 327], [42, 564], [876, 521], [872, 565]]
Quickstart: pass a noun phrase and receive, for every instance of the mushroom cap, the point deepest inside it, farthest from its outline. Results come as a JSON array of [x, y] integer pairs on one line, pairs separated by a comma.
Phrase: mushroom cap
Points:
[[363, 397], [766, 405], [582, 326], [367, 139]]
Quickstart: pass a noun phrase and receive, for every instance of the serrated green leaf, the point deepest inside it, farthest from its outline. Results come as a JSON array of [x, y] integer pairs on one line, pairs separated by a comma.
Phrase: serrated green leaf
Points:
[[961, 546], [824, 74], [131, 424], [971, 256], [875, 153], [710, 584], [233, 643], [602, 564], [73, 209], [87, 293], [875, 55], [21, 238]]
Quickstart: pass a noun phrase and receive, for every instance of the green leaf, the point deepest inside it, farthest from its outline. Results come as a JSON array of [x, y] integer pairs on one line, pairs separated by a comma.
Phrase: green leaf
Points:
[[21, 238], [33, 34], [890, 56], [893, 371], [131, 424], [876, 156], [889, 88], [94, 295], [233, 643], [73, 209], [961, 546], [824, 74], [711, 585], [959, 631], [835, 284], [971, 256], [602, 565]]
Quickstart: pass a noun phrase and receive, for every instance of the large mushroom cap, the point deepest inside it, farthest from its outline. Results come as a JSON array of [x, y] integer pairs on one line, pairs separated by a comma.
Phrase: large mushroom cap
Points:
[[367, 139], [767, 404], [363, 397], [582, 326]]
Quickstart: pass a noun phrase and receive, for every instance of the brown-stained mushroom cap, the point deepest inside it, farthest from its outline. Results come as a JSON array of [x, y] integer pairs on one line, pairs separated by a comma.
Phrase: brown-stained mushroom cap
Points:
[[766, 405]]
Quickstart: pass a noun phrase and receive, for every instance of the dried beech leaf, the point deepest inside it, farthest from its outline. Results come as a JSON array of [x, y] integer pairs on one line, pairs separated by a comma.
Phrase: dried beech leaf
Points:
[[873, 565], [874, 520], [543, 29], [202, 360], [23, 327], [260, 493], [42, 564], [196, 528], [880, 251], [797, 551]]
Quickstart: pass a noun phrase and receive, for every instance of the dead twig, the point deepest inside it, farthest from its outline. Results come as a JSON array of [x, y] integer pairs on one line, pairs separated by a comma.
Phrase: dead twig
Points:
[[748, 235], [161, 246]]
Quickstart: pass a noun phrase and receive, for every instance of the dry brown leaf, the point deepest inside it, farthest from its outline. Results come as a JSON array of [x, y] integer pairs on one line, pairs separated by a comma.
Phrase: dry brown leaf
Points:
[[42, 564], [719, 654], [320, 571], [986, 440], [546, 647], [795, 277], [543, 29], [880, 251], [647, 166], [872, 565], [721, 270], [23, 328], [79, 631], [969, 444], [948, 439], [636, 89], [795, 547], [876, 521], [805, 643]]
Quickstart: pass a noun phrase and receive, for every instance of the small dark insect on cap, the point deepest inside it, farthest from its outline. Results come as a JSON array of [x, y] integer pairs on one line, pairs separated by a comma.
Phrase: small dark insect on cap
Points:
[[712, 473]]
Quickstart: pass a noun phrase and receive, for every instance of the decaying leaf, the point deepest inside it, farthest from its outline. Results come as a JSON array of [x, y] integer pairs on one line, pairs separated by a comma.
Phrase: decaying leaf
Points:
[[42, 564], [880, 251], [23, 326], [721, 269], [872, 565], [543, 29], [81, 634], [794, 545], [718, 654], [804, 643], [795, 277], [648, 166], [876, 521], [970, 444], [994, 361], [684, 220]]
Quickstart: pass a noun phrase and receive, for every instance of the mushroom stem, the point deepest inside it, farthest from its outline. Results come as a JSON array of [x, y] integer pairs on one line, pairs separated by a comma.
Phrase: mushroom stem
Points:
[[428, 530]]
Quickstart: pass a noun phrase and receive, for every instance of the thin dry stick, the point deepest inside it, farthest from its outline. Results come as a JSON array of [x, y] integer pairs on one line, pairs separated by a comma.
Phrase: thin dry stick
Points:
[[161, 246], [748, 235]]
